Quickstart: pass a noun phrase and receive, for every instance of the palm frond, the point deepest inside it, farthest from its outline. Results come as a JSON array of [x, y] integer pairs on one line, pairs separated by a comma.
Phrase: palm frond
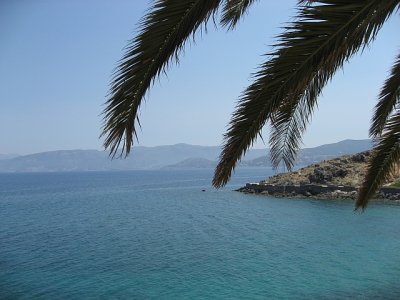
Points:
[[164, 30], [325, 35], [233, 10], [291, 123], [389, 98], [292, 118], [384, 159]]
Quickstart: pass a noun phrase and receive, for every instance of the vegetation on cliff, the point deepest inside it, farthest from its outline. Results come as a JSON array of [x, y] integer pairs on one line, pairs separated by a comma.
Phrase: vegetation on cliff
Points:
[[338, 178], [347, 170]]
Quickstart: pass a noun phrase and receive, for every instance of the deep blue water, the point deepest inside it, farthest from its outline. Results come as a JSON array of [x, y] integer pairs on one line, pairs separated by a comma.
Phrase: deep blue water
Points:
[[156, 235]]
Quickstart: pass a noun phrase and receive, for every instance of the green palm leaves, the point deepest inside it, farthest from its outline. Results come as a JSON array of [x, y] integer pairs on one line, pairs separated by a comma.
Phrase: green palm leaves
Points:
[[233, 10], [285, 90], [165, 29], [385, 129]]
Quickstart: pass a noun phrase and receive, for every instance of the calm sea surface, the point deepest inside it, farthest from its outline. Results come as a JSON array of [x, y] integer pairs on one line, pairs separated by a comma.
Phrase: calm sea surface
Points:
[[157, 235]]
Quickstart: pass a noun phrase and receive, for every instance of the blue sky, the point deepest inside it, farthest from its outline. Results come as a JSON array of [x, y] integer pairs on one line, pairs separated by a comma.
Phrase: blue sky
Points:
[[57, 58]]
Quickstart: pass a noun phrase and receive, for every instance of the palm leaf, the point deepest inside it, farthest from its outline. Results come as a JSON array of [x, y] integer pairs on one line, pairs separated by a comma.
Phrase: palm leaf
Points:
[[164, 30], [233, 10], [385, 158], [292, 117], [289, 122], [325, 35], [389, 98]]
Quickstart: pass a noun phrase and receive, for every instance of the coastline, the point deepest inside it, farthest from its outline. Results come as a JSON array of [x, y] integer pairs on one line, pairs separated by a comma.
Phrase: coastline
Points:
[[338, 178], [317, 191]]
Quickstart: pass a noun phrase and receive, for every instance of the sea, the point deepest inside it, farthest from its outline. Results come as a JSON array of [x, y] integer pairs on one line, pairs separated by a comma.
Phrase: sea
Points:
[[166, 234]]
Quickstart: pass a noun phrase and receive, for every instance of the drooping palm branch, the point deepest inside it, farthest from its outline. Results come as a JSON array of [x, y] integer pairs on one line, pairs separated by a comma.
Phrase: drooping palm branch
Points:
[[164, 30], [325, 35], [389, 98], [233, 11], [385, 129], [385, 158]]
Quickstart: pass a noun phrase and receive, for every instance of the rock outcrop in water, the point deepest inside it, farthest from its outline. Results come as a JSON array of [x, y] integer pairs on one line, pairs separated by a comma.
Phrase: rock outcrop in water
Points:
[[330, 179]]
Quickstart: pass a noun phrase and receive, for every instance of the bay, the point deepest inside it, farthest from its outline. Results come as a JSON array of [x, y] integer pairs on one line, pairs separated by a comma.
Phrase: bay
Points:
[[158, 235]]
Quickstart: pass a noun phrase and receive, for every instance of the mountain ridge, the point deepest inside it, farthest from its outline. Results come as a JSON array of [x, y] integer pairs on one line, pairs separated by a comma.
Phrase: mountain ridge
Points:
[[178, 156]]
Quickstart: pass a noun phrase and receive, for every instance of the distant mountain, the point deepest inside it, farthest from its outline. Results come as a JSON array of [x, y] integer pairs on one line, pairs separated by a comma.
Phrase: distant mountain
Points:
[[93, 160], [8, 156], [161, 156], [193, 163], [312, 155], [307, 155], [180, 156], [64, 160]]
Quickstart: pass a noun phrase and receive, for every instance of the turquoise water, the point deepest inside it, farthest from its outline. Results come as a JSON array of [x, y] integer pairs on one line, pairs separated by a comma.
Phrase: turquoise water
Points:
[[157, 235]]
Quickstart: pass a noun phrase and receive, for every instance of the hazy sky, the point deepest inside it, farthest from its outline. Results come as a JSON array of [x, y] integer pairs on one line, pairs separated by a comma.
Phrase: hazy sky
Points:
[[57, 58]]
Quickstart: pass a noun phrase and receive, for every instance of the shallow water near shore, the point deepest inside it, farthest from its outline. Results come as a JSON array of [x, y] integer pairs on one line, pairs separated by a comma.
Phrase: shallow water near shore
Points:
[[158, 235]]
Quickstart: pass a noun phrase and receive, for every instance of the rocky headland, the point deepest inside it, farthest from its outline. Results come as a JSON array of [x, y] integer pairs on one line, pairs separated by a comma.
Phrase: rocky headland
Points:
[[338, 178]]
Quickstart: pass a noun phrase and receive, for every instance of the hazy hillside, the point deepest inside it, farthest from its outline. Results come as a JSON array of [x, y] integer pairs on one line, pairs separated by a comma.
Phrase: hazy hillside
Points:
[[312, 155], [93, 160], [64, 160], [161, 156], [193, 163], [8, 156], [180, 156]]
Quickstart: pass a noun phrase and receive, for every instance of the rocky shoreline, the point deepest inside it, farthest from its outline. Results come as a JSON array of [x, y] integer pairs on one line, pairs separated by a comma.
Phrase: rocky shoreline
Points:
[[338, 178], [315, 191]]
